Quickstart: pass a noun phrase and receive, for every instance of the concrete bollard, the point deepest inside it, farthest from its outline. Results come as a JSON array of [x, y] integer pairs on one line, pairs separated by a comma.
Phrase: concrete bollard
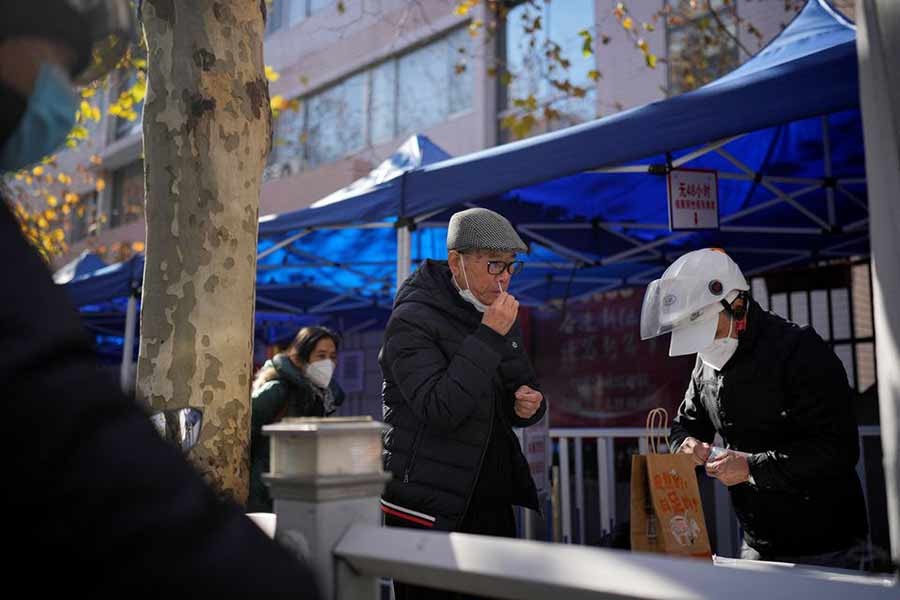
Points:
[[325, 474]]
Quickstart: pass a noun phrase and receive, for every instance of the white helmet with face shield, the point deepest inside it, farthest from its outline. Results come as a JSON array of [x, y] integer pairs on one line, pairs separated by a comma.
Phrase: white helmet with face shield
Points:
[[688, 298]]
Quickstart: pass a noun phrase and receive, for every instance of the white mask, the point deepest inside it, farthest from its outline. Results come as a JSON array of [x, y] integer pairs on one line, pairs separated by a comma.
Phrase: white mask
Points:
[[720, 351], [320, 372], [467, 294]]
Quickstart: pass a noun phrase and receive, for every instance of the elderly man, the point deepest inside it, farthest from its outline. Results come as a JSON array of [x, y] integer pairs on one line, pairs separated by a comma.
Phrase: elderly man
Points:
[[456, 380]]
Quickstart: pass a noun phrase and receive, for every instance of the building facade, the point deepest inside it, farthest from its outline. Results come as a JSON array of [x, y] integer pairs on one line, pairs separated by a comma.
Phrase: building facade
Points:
[[368, 74]]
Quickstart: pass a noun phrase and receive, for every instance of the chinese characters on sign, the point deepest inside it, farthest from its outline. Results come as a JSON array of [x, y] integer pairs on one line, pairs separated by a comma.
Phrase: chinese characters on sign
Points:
[[592, 362], [693, 199]]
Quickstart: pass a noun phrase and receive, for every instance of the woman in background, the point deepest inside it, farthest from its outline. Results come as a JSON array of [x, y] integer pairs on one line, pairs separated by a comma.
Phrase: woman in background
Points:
[[296, 383]]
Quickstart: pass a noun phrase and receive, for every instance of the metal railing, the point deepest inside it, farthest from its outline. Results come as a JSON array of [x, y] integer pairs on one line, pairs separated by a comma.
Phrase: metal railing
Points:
[[605, 439], [529, 570]]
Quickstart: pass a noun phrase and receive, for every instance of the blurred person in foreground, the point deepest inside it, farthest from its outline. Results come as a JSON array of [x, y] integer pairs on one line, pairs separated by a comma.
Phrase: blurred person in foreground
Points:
[[100, 501], [779, 398], [456, 381], [296, 383]]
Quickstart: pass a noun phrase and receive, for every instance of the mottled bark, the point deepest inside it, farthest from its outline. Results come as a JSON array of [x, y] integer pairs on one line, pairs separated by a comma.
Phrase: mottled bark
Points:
[[207, 130]]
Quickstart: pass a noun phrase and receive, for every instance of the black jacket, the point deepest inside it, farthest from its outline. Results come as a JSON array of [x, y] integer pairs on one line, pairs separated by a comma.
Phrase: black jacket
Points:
[[290, 394], [98, 493], [784, 398], [448, 395]]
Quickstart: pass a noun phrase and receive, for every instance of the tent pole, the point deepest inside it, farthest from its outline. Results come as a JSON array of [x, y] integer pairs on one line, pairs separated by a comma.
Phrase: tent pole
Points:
[[128, 344], [285, 242], [826, 156], [403, 254], [877, 44]]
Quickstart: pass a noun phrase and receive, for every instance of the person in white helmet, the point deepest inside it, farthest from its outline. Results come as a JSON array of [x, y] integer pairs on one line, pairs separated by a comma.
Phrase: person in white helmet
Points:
[[779, 398]]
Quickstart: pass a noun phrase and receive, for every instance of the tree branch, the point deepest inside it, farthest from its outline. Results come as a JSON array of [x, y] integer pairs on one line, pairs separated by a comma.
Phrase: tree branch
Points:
[[725, 29]]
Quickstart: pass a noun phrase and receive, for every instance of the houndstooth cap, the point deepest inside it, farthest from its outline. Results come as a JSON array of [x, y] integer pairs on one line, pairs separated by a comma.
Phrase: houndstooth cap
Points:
[[482, 229]]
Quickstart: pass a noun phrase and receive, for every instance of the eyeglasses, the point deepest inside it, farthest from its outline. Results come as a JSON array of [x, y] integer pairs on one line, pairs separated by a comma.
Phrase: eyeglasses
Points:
[[496, 267]]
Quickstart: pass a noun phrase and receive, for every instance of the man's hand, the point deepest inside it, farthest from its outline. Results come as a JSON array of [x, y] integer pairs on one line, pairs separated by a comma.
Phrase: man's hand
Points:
[[697, 449], [731, 469], [501, 315], [528, 401]]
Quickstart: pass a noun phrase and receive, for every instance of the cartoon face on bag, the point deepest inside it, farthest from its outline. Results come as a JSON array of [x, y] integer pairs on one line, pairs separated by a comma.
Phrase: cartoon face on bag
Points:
[[684, 530]]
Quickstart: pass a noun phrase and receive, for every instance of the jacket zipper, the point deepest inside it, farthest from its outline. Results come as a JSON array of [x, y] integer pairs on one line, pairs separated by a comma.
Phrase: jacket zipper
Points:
[[480, 463], [412, 458]]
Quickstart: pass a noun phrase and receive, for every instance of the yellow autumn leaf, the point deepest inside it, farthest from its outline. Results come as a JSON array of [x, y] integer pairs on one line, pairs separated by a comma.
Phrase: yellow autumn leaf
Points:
[[88, 92], [71, 198], [37, 171], [463, 8], [277, 102], [594, 75], [139, 90], [272, 74], [64, 179], [100, 185], [137, 246], [65, 209], [52, 201], [59, 235], [42, 223], [627, 23], [651, 60]]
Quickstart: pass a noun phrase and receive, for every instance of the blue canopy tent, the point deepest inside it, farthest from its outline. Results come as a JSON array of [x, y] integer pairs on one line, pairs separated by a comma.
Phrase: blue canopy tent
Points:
[[108, 299], [783, 131]]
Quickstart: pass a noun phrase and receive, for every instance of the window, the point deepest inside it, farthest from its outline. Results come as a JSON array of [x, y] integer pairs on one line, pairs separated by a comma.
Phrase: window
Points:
[[698, 51], [83, 218], [836, 301], [336, 121], [287, 13], [400, 96], [124, 127], [533, 72], [128, 194], [383, 103], [434, 83], [288, 155]]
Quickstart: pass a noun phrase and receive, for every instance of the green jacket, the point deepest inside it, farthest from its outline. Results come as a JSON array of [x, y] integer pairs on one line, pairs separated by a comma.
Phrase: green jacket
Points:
[[291, 394]]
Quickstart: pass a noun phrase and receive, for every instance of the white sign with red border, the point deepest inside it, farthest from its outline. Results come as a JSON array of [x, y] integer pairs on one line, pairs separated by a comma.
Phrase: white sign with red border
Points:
[[693, 199]]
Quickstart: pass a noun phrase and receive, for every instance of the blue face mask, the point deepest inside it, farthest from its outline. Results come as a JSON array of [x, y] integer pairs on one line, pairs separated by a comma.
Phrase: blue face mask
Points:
[[47, 121]]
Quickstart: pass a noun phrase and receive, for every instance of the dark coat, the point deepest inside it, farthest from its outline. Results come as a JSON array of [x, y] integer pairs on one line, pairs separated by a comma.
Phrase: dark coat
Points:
[[448, 394], [99, 493], [783, 398], [290, 394]]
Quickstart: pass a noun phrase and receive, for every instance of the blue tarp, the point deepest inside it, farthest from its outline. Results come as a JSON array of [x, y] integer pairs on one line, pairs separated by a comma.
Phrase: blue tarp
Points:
[[792, 185]]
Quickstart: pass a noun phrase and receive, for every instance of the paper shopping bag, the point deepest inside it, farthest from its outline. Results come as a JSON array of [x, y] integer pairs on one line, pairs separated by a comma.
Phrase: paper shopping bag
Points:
[[666, 511]]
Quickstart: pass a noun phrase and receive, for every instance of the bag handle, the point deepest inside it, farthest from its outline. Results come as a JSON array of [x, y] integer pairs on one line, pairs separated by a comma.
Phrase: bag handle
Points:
[[657, 424]]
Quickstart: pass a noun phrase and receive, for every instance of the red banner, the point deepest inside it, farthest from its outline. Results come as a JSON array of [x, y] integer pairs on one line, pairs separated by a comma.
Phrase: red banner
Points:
[[596, 370]]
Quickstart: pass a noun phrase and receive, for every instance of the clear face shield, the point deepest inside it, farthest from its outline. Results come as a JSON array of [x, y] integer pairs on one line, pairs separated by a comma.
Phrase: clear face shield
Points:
[[673, 303]]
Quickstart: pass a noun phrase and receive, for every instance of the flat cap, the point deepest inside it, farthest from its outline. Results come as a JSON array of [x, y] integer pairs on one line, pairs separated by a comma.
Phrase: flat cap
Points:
[[483, 229]]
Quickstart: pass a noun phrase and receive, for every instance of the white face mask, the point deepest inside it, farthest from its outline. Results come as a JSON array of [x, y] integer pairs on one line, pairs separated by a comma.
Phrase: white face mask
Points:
[[720, 351], [320, 372], [467, 294]]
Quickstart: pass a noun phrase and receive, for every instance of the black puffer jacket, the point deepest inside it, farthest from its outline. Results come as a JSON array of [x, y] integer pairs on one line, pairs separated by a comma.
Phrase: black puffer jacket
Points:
[[447, 381], [784, 398]]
